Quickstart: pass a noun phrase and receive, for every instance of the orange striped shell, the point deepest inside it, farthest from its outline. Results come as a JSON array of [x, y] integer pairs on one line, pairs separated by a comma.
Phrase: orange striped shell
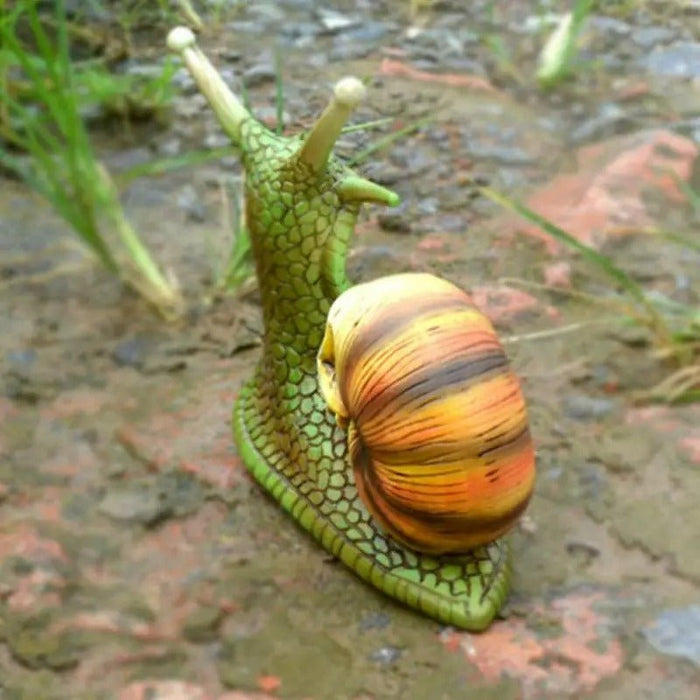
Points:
[[437, 425]]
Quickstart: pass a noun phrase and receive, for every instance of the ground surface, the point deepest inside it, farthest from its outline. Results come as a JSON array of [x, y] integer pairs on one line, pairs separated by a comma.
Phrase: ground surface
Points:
[[138, 559]]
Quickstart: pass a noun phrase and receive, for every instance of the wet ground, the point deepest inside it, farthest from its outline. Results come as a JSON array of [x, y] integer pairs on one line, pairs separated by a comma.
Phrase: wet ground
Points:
[[138, 559]]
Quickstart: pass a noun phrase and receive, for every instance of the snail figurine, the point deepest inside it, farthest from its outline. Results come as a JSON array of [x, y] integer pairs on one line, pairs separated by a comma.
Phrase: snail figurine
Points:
[[383, 417], [437, 429]]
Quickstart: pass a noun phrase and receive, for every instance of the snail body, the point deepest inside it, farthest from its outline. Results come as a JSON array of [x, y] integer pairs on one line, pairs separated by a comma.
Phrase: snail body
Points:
[[437, 427], [385, 523]]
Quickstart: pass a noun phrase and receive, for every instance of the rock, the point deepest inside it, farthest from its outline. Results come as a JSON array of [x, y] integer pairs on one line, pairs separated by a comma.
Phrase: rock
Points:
[[368, 33], [368, 262], [132, 352], [609, 118], [680, 60], [378, 621], [396, 220], [677, 632], [502, 304], [386, 655], [134, 505], [611, 26], [647, 37], [503, 155], [189, 200], [299, 33], [152, 499], [582, 407], [170, 148], [608, 189], [384, 173], [558, 274], [334, 22], [33, 643], [259, 74], [188, 107], [428, 206], [183, 82], [634, 336], [216, 139], [164, 690], [202, 624]]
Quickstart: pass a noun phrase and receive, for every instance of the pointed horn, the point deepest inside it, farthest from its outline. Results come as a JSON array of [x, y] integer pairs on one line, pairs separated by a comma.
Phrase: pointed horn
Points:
[[357, 189], [347, 94], [230, 112]]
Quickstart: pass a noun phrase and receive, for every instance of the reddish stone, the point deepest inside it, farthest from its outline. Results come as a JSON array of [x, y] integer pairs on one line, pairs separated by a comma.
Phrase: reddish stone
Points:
[[268, 684], [470, 82], [77, 402], [166, 560], [431, 242], [7, 408], [606, 192], [501, 303], [692, 445], [220, 470], [558, 275], [42, 586], [23, 541], [573, 661], [163, 690], [679, 422], [196, 438], [634, 90], [112, 622]]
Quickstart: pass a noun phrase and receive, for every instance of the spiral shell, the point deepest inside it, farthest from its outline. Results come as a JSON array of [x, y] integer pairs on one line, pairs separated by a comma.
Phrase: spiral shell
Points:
[[437, 426]]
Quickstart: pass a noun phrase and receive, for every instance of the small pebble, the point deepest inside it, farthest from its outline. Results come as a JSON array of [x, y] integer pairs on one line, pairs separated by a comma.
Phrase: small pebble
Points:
[[378, 621], [581, 407], [385, 655], [189, 200], [132, 352], [259, 74], [677, 632]]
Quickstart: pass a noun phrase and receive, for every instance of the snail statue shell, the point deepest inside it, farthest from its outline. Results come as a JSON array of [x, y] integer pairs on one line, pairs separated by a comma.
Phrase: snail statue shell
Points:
[[437, 427]]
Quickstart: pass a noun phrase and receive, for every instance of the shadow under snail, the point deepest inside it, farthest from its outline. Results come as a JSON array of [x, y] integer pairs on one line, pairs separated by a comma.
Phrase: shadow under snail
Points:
[[383, 417]]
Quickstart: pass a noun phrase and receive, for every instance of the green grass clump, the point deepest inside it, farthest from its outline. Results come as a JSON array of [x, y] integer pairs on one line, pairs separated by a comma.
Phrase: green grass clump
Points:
[[675, 327], [238, 267], [559, 51], [43, 139]]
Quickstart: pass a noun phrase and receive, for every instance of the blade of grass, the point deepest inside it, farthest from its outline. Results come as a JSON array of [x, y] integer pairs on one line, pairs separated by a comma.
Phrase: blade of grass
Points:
[[375, 123], [240, 261], [602, 262], [161, 292], [61, 164], [671, 236], [387, 140], [161, 166], [691, 195], [45, 176]]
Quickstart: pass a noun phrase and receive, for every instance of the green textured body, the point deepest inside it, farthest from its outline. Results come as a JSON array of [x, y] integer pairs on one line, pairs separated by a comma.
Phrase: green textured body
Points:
[[300, 222]]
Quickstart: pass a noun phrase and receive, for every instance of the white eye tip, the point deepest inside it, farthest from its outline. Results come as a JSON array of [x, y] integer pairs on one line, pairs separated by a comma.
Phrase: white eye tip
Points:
[[349, 91], [180, 38]]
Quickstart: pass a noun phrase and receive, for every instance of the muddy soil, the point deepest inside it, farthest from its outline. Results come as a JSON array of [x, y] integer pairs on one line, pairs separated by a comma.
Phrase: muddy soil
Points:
[[137, 557]]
